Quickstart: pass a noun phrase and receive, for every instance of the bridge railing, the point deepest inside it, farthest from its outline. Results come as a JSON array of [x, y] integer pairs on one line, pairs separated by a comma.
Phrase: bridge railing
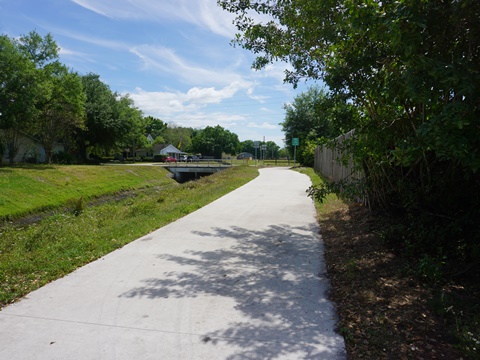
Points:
[[202, 163]]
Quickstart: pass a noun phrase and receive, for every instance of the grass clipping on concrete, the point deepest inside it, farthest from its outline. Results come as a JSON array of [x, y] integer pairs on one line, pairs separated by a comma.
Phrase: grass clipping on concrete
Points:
[[32, 255]]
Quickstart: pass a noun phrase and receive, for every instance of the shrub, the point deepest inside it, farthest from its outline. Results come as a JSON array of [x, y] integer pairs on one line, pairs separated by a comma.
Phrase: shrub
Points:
[[63, 157]]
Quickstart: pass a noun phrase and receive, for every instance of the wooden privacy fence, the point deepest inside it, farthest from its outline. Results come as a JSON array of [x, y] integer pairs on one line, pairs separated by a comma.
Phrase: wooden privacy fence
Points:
[[336, 165], [333, 163]]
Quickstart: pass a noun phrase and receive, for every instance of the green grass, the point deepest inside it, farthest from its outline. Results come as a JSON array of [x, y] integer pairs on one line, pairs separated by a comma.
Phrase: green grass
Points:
[[33, 255], [331, 200], [29, 189]]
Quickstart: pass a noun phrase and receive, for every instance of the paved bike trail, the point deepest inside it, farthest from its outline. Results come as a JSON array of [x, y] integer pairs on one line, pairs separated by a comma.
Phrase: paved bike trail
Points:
[[241, 278]]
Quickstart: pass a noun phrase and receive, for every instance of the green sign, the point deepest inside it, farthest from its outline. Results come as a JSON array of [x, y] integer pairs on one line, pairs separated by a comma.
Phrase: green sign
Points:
[[295, 141]]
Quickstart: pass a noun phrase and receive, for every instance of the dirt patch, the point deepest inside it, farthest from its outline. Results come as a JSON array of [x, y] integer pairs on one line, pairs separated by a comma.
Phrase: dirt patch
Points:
[[383, 313]]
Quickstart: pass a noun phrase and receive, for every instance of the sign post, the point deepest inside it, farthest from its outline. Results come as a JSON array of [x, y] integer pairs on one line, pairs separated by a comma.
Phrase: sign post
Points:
[[256, 145], [295, 143]]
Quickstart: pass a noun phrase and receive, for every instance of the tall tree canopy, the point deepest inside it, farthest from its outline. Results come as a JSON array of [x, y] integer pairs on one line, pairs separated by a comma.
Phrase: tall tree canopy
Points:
[[271, 150], [39, 96], [24, 81], [213, 141], [61, 108], [314, 117], [128, 124], [100, 127], [412, 70], [178, 136], [19, 93], [154, 127], [247, 146]]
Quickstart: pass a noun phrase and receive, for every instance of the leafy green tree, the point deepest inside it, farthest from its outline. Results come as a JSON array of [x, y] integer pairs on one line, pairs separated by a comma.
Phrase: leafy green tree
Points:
[[411, 68], [17, 95], [112, 121], [40, 50], [100, 126], [40, 97], [306, 152], [315, 116], [158, 140], [149, 133], [214, 141], [416, 83], [60, 101], [178, 136], [283, 153], [247, 146], [155, 127], [272, 150], [61, 109], [128, 125]]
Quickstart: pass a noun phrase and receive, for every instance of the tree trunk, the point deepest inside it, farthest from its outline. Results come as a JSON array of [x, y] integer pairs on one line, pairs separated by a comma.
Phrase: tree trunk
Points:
[[11, 144], [48, 153]]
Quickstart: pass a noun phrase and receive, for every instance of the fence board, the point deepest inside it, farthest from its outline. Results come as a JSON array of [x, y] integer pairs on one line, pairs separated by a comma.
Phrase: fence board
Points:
[[328, 162]]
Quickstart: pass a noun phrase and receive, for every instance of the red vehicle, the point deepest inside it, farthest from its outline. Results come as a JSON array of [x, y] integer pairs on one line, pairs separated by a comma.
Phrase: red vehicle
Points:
[[170, 159]]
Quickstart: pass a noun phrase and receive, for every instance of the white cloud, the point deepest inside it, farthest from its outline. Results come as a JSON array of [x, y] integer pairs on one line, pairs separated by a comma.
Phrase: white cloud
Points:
[[275, 71], [64, 52], [109, 44], [163, 104], [263, 125], [210, 95], [200, 120], [260, 98], [165, 60], [204, 13]]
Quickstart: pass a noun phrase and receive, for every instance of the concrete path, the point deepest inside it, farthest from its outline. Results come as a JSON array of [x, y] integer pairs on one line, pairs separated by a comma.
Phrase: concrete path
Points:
[[242, 278]]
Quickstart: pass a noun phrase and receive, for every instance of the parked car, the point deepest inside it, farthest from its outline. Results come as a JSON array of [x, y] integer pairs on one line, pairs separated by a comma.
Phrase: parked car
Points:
[[192, 158], [170, 159], [182, 158]]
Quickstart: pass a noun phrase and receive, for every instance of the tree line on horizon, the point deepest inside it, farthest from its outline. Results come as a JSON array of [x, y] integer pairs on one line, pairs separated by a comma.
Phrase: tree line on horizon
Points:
[[42, 98]]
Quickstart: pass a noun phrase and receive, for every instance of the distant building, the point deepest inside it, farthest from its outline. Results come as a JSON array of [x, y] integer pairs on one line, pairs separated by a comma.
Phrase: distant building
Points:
[[157, 149], [169, 150], [30, 150], [245, 156]]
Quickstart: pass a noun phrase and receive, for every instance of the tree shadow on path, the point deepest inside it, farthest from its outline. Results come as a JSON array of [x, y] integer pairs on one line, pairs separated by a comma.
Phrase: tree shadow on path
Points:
[[277, 282]]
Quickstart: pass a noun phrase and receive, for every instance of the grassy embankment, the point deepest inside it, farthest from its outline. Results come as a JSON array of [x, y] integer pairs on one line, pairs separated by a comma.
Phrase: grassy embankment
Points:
[[75, 231], [30, 189]]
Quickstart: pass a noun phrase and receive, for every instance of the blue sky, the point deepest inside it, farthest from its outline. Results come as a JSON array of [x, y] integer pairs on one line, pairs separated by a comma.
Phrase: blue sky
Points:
[[173, 57]]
